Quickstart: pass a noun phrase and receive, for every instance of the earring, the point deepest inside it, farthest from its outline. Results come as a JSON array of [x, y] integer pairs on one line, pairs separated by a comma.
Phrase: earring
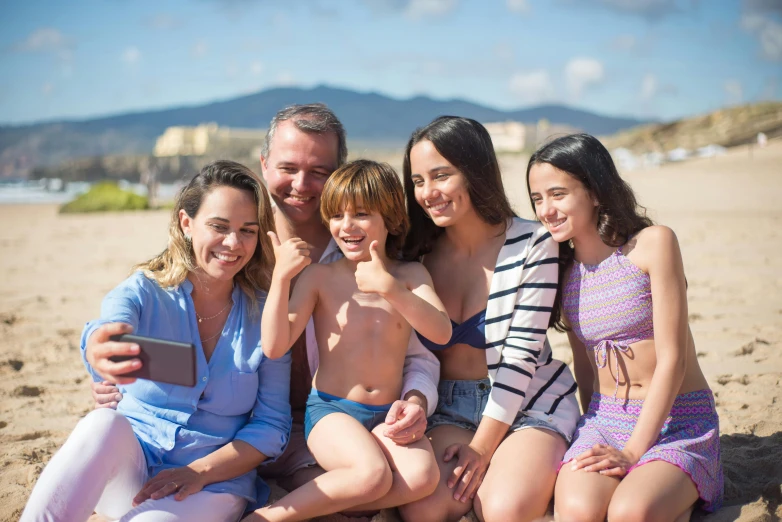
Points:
[[187, 237]]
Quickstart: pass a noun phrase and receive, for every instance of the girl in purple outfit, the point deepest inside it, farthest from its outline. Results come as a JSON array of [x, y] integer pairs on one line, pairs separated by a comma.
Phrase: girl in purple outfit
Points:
[[648, 446]]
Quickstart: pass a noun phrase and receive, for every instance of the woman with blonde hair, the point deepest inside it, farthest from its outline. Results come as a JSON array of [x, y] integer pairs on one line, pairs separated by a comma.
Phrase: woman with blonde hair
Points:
[[172, 452]]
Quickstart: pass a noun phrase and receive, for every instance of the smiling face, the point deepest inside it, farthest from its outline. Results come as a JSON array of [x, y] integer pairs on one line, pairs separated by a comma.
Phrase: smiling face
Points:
[[224, 232], [562, 203], [440, 188], [298, 165], [354, 229]]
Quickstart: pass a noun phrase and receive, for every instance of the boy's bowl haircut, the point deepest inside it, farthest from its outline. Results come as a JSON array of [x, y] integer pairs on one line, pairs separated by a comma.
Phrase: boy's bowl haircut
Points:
[[377, 188]]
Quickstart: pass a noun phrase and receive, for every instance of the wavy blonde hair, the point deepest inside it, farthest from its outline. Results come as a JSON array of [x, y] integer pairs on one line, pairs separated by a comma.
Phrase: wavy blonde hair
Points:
[[171, 267]]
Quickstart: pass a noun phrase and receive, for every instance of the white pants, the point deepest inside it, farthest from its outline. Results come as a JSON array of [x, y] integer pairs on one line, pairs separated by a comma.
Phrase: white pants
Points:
[[100, 468]]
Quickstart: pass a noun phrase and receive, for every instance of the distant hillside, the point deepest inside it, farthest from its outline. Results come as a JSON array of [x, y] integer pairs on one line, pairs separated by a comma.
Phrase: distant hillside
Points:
[[726, 127], [368, 117]]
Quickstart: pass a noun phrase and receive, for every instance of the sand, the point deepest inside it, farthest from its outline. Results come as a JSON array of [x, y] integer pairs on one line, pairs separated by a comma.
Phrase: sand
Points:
[[726, 212]]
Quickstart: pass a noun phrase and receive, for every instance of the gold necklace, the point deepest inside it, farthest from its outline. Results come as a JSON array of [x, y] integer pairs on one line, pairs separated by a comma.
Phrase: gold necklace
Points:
[[210, 338], [202, 319]]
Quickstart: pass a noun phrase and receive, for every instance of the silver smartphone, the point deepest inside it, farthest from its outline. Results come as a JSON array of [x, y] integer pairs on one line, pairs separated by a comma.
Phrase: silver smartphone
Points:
[[161, 360]]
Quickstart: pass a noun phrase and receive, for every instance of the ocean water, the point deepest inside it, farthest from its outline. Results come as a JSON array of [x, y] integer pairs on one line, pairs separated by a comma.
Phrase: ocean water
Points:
[[55, 191]]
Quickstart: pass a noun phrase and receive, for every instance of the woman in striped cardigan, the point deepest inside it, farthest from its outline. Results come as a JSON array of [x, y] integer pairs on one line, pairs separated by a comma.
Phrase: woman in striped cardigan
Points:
[[507, 409]]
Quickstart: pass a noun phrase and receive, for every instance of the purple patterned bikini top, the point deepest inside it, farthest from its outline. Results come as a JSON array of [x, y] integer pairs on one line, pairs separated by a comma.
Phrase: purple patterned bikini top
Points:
[[608, 305]]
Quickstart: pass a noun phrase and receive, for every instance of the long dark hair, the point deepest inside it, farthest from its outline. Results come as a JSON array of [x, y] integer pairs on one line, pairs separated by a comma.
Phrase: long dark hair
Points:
[[619, 216], [467, 146]]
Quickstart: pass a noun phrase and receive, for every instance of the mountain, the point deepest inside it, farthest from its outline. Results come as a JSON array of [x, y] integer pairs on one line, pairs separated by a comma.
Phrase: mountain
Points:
[[368, 117]]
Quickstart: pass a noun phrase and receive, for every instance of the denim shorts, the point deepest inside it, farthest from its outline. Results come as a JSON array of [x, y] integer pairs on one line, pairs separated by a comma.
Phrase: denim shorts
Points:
[[461, 403], [320, 404]]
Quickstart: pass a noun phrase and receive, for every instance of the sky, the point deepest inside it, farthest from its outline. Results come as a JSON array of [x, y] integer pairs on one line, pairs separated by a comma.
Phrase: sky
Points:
[[661, 59]]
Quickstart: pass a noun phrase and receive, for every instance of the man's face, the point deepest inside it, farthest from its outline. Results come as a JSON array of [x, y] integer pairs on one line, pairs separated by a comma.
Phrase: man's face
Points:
[[297, 168]]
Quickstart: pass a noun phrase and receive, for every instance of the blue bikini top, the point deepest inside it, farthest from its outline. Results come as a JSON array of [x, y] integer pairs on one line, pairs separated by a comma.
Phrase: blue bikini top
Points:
[[471, 332]]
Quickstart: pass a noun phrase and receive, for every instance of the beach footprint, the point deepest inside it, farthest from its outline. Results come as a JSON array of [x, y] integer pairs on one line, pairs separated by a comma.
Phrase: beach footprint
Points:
[[28, 391], [14, 364], [751, 347]]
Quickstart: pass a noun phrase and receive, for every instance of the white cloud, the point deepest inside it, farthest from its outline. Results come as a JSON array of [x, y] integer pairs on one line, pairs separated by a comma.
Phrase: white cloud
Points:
[[518, 6], [199, 49], [131, 55], [532, 87], [256, 68], [47, 40], [581, 73], [43, 39], [649, 88], [735, 91], [418, 9], [768, 31]]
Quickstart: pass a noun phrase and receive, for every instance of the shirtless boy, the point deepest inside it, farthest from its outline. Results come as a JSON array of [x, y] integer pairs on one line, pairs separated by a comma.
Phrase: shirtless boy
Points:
[[363, 307]]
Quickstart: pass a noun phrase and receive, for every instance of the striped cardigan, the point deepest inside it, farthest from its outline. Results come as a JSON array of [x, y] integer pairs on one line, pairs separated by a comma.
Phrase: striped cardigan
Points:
[[523, 373]]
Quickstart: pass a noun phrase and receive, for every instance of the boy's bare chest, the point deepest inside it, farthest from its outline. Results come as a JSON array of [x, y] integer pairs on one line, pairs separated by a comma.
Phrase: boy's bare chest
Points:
[[348, 311]]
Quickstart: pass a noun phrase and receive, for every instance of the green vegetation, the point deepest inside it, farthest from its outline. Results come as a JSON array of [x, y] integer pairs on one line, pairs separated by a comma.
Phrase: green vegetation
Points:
[[104, 197]]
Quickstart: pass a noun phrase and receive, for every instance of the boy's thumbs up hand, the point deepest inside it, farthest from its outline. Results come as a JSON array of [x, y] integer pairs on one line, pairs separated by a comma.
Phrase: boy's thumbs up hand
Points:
[[373, 253], [274, 238], [372, 276], [290, 257]]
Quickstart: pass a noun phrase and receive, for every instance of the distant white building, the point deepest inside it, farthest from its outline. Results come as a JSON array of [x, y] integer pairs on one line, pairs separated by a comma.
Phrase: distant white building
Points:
[[514, 136], [508, 136], [197, 141]]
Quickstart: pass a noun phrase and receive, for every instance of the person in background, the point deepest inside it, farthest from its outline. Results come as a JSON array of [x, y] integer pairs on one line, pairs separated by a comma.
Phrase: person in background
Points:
[[173, 452], [647, 447]]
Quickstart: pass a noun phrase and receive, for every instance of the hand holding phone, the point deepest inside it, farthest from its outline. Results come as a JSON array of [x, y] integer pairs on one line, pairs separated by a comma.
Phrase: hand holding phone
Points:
[[100, 349], [161, 360]]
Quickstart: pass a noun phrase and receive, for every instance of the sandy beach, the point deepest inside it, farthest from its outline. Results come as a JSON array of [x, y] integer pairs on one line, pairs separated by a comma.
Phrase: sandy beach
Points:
[[726, 211]]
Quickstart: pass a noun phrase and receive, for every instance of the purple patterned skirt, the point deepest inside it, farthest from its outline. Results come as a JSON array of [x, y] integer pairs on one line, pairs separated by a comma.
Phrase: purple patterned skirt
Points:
[[690, 438]]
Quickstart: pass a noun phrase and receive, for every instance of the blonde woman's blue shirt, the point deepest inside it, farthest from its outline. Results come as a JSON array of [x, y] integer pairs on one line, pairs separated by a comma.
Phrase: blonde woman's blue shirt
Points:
[[239, 395]]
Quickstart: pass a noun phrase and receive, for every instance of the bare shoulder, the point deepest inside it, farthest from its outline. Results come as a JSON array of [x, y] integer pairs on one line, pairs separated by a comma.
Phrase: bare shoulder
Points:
[[656, 236], [412, 272], [654, 245], [312, 274], [316, 269]]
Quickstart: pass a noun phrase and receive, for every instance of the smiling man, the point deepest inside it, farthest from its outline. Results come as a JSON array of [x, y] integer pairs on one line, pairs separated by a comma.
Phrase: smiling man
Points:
[[305, 144]]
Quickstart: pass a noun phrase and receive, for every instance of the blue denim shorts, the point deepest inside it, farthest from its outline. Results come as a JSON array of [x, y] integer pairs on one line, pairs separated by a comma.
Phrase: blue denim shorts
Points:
[[461, 403], [320, 404]]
